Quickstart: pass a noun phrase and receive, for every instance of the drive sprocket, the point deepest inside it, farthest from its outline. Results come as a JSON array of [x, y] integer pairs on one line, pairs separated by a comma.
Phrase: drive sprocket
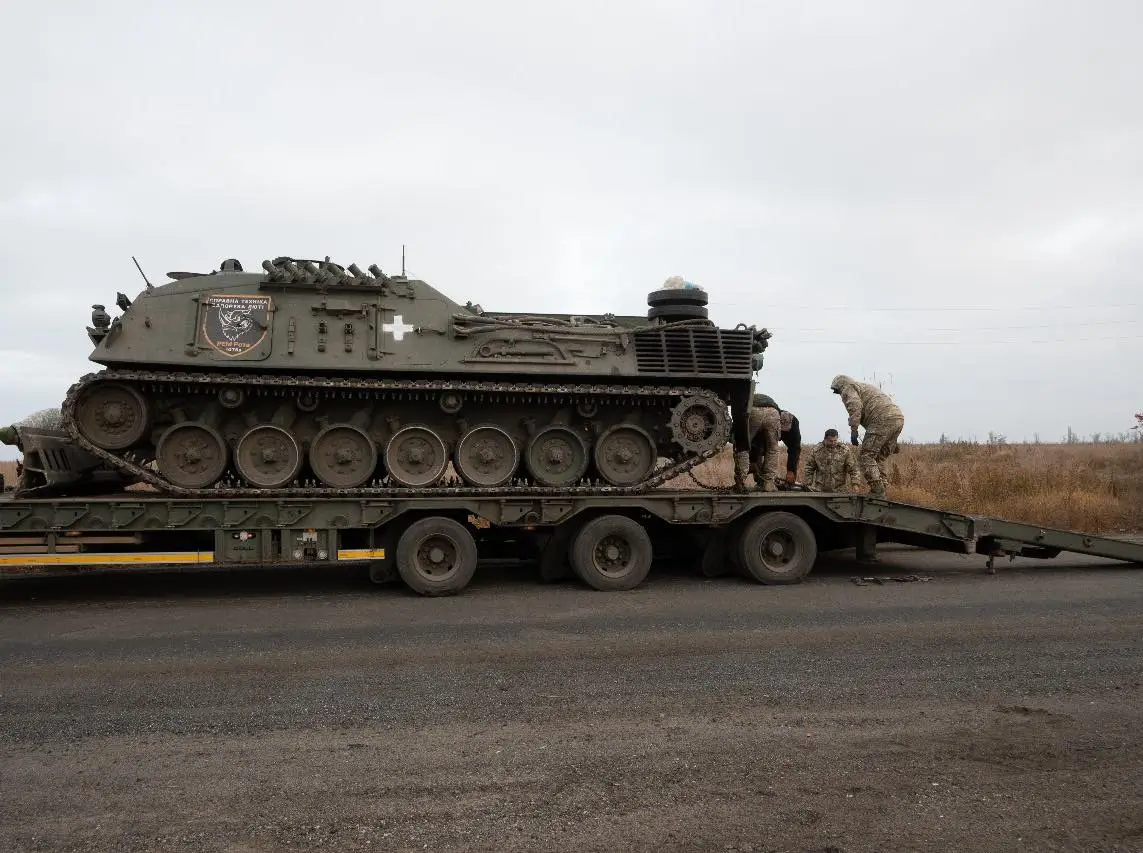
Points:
[[699, 425]]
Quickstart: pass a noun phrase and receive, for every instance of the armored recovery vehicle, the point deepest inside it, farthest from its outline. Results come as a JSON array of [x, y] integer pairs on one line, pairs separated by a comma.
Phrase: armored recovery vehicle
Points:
[[308, 379]]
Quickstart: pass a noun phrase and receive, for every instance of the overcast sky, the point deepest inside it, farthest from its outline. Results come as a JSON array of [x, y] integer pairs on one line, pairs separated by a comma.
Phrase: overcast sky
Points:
[[947, 198]]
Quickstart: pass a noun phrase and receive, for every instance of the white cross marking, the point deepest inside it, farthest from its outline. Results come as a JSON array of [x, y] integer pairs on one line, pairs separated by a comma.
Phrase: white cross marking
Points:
[[397, 328]]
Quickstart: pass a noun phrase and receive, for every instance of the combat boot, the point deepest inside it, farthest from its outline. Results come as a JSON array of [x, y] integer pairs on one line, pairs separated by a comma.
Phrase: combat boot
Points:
[[741, 466]]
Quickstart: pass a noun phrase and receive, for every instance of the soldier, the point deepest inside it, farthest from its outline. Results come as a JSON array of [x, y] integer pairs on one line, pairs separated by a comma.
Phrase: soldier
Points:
[[766, 427], [789, 434], [872, 408], [831, 467]]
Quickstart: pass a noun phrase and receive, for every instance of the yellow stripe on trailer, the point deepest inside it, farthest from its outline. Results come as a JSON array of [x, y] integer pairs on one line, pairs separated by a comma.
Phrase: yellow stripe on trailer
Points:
[[95, 559], [361, 554]]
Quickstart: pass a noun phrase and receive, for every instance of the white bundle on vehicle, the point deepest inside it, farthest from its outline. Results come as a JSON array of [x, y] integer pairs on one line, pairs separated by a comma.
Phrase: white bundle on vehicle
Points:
[[677, 282]]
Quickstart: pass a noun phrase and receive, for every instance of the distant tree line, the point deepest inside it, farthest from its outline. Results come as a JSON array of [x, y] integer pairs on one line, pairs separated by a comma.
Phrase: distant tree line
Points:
[[1134, 435]]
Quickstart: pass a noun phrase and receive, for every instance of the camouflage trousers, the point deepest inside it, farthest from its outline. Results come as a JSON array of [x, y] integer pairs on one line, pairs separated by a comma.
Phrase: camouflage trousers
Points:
[[880, 438], [765, 428]]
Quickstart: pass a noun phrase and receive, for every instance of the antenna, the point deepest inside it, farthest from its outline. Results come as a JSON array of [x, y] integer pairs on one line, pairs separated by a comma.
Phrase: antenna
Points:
[[140, 269], [402, 260]]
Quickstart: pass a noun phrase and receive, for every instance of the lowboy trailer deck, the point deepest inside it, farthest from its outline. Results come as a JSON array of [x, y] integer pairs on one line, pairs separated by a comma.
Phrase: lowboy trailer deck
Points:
[[433, 542]]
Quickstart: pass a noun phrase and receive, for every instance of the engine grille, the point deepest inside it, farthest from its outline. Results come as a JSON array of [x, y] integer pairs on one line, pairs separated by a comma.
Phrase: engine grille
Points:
[[694, 351]]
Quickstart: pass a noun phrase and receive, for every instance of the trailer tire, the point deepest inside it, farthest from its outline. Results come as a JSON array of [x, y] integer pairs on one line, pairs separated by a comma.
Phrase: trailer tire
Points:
[[777, 548], [436, 556], [611, 553]]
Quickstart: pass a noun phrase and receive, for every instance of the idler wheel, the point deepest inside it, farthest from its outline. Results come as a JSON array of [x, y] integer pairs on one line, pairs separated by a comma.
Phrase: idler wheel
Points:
[[486, 456], [416, 457], [556, 456], [191, 455], [268, 457], [624, 455], [343, 456], [112, 416]]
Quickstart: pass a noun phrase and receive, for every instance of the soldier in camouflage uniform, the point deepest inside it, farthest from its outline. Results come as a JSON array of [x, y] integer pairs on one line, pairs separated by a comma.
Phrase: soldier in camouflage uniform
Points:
[[872, 408], [831, 467], [764, 426]]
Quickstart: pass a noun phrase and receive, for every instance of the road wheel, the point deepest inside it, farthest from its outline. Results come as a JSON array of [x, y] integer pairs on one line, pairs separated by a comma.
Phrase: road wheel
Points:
[[436, 556], [777, 547], [611, 552]]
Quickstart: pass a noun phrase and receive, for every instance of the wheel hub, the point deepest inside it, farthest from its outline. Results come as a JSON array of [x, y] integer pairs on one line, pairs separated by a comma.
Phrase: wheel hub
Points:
[[437, 556], [612, 555], [191, 452], [777, 549], [113, 414]]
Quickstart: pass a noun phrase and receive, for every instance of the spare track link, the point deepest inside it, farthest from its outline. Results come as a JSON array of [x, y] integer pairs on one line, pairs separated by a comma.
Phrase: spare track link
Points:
[[152, 478]]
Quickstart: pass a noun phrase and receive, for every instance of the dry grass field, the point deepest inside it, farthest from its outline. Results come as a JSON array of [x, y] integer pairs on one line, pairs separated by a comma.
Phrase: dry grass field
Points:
[[1095, 488]]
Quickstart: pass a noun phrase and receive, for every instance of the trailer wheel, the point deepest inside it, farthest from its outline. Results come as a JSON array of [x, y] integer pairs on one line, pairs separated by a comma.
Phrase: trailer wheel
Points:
[[436, 556], [777, 547], [611, 552]]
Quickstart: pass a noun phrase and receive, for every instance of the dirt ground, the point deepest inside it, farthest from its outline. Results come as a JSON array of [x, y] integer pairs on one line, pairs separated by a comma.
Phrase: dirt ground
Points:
[[259, 712]]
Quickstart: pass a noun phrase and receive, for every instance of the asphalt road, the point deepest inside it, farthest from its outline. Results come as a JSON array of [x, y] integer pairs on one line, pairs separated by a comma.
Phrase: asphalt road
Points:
[[309, 711]]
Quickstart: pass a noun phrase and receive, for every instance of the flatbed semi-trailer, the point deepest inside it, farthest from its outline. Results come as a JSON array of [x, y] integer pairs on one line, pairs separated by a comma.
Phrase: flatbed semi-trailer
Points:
[[433, 542]]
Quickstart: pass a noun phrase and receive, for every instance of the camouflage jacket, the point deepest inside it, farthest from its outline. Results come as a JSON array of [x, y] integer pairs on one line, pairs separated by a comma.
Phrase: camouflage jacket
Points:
[[867, 404], [831, 469]]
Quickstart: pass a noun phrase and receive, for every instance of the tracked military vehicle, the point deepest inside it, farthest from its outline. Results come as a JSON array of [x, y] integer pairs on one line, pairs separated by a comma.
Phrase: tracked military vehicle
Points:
[[309, 378]]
